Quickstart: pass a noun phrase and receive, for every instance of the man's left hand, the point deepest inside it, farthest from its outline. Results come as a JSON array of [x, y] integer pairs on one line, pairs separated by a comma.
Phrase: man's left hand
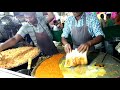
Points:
[[84, 47]]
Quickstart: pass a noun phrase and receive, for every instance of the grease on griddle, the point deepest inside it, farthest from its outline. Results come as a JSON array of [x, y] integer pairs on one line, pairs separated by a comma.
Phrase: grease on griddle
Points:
[[100, 65]]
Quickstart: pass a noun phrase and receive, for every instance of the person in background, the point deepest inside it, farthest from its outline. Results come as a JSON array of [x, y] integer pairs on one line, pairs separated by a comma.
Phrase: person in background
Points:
[[102, 21], [113, 15], [63, 24], [109, 21], [98, 15], [39, 32], [117, 19], [60, 25], [20, 16], [55, 26], [85, 31]]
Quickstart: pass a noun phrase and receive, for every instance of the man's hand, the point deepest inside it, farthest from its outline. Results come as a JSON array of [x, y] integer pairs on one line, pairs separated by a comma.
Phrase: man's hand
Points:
[[84, 47], [1, 47], [67, 48]]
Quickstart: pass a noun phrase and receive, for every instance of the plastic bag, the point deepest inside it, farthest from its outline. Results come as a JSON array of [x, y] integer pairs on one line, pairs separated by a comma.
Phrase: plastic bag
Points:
[[118, 47], [76, 58]]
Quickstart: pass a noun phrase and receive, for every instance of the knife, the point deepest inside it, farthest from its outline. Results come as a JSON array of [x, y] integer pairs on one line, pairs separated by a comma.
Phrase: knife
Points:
[[101, 63]]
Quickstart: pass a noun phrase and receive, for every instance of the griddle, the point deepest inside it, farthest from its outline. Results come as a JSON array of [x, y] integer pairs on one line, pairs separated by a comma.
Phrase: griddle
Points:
[[111, 65]]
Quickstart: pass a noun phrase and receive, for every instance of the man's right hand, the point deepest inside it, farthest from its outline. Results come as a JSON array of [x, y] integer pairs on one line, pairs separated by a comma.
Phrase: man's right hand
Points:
[[67, 48]]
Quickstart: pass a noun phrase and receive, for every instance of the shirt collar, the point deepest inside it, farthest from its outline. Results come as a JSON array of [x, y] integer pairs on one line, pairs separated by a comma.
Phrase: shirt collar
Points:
[[29, 24]]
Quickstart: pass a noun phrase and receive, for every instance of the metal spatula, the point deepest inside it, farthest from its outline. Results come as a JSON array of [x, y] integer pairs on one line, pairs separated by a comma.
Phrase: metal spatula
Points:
[[28, 70], [29, 65]]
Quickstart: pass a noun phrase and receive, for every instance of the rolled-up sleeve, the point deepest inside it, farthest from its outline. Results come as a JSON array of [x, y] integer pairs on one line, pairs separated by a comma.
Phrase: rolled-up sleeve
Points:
[[23, 31], [66, 29], [97, 30]]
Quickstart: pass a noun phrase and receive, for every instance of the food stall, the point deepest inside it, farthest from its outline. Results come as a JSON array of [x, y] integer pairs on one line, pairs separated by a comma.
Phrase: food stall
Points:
[[16, 59], [99, 64], [53, 66]]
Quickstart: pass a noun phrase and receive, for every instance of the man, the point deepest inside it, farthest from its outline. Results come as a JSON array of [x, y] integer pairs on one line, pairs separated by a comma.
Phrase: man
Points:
[[117, 19], [109, 21], [55, 27], [85, 31], [102, 21], [36, 27]]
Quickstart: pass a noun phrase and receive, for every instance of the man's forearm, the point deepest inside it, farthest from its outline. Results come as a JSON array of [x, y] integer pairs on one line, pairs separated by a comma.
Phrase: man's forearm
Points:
[[9, 43], [64, 41], [50, 16], [96, 40]]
